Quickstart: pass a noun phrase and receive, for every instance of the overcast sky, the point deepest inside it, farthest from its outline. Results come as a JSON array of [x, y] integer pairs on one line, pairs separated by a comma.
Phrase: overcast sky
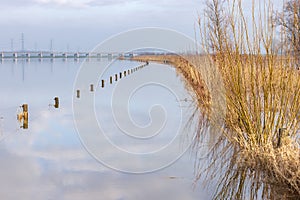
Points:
[[82, 24]]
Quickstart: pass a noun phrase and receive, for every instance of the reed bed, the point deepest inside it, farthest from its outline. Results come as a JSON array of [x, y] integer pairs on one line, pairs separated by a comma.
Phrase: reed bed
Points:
[[261, 82], [257, 153]]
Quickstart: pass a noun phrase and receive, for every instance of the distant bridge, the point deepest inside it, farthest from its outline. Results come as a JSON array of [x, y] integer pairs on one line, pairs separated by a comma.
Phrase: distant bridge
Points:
[[52, 55]]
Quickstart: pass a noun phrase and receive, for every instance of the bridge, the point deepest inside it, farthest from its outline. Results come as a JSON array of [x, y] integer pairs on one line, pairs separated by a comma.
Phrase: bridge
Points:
[[53, 55]]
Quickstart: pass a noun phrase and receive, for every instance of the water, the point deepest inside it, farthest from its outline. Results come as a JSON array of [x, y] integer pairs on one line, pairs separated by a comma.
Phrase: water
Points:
[[49, 160]]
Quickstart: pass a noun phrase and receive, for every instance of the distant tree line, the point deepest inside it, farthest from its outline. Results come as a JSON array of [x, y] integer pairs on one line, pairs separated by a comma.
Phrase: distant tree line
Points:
[[289, 21]]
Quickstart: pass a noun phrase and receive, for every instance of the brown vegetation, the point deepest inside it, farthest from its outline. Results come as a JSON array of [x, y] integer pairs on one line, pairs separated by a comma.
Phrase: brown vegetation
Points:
[[258, 151]]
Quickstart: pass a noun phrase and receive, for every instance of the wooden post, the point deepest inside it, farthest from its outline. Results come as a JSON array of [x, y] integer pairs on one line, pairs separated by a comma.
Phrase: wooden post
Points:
[[116, 77], [128, 72], [124, 73], [110, 79], [120, 75], [102, 85], [280, 136], [25, 124], [23, 117], [56, 102], [92, 88], [25, 111], [78, 93], [25, 107]]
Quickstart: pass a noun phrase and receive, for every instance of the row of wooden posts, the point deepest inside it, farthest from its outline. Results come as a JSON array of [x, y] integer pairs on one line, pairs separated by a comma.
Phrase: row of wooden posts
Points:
[[22, 117], [115, 78]]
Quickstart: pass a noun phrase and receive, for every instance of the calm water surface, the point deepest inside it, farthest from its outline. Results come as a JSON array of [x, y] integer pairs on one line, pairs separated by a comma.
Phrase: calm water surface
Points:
[[48, 160]]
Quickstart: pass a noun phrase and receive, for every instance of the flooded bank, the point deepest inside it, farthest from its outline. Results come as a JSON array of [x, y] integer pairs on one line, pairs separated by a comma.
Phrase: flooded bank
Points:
[[247, 159]]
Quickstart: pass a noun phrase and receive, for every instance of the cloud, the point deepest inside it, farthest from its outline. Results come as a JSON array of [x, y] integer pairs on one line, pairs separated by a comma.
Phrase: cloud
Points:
[[110, 2], [16, 3], [47, 3], [94, 3], [64, 3]]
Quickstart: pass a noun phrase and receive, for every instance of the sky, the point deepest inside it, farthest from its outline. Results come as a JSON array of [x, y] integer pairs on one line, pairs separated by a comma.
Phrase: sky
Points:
[[79, 25]]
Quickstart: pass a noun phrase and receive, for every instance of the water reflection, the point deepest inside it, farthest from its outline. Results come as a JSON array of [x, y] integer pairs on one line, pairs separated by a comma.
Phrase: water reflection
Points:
[[47, 160]]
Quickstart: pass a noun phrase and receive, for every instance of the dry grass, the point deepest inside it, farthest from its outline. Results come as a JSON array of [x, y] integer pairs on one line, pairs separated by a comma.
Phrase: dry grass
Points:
[[263, 102], [257, 154]]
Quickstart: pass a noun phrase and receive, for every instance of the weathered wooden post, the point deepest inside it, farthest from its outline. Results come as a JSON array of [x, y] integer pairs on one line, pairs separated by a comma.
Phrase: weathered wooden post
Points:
[[116, 77], [56, 102], [25, 124], [120, 75], [124, 73], [78, 93], [25, 111], [25, 116], [92, 88], [111, 79], [280, 136], [102, 85]]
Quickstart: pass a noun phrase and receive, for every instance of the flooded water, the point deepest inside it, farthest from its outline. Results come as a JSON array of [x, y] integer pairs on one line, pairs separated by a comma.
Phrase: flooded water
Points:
[[51, 160]]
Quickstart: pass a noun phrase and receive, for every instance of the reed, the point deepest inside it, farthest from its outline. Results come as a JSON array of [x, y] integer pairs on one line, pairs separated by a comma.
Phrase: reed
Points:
[[261, 129], [256, 151]]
